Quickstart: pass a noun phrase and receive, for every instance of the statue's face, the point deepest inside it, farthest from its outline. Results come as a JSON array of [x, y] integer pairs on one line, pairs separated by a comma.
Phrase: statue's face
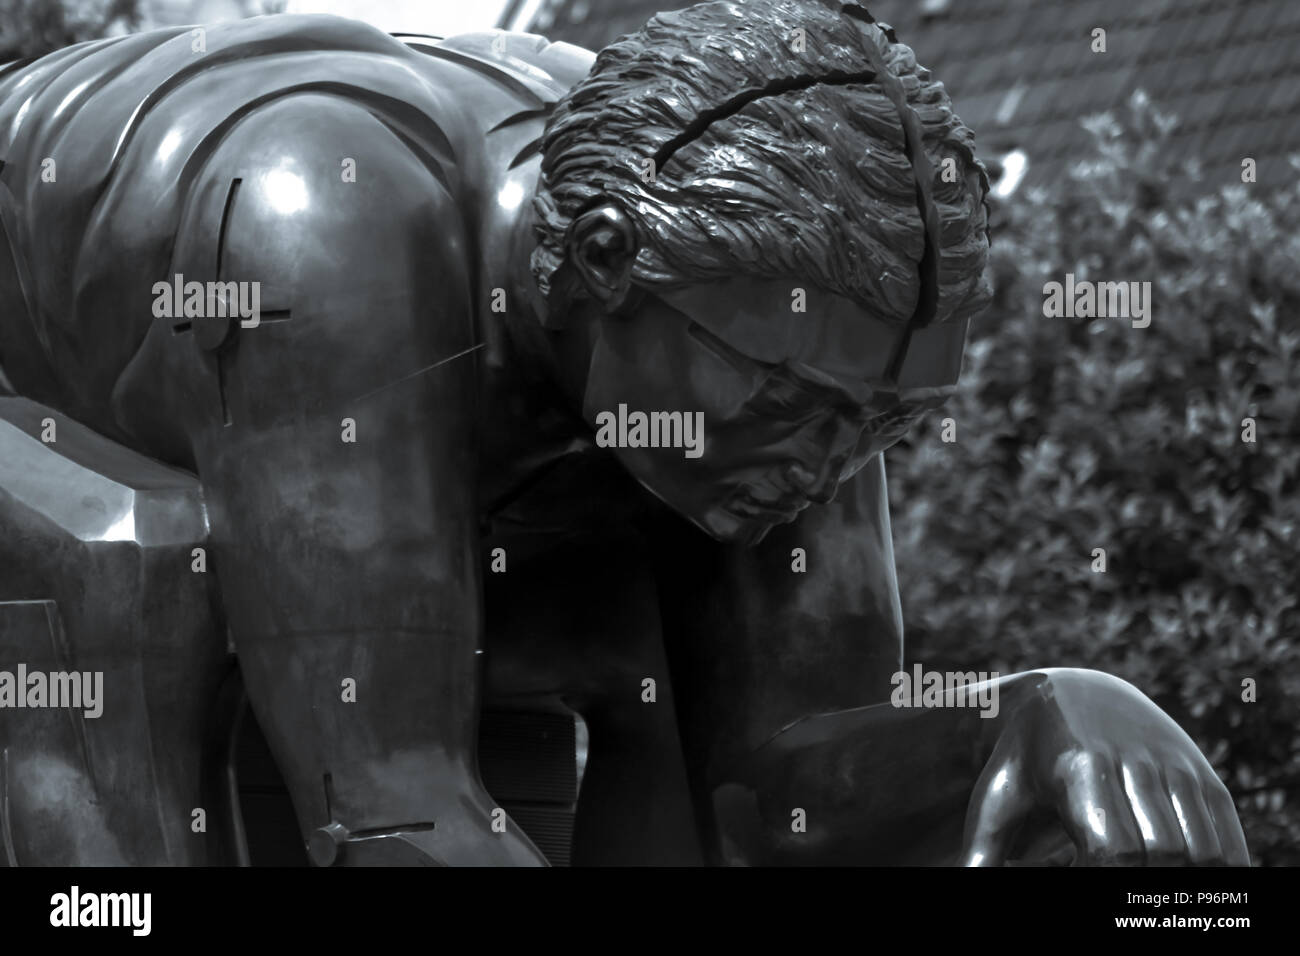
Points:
[[793, 402]]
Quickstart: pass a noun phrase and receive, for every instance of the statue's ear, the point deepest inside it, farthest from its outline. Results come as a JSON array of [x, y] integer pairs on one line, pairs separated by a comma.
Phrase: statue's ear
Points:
[[601, 248]]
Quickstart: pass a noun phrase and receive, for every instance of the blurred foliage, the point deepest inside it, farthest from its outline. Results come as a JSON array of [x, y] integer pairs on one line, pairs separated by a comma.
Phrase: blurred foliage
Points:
[[1075, 434], [31, 28]]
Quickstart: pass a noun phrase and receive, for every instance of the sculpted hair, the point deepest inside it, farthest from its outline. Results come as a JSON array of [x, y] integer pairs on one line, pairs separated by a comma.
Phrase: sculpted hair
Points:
[[772, 158]]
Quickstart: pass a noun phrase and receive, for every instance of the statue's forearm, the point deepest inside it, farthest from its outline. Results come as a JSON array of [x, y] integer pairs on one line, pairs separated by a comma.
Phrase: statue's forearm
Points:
[[875, 784]]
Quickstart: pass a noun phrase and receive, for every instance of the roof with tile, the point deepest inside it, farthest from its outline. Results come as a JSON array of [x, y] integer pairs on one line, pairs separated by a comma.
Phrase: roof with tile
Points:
[[1022, 73]]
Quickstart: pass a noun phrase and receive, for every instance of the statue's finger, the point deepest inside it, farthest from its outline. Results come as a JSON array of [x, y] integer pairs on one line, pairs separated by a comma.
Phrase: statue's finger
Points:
[[1095, 811], [1194, 816], [1227, 824], [1000, 802], [1157, 823]]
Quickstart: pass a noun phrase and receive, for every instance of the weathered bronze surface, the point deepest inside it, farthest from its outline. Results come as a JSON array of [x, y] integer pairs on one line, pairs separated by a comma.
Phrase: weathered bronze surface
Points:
[[394, 472]]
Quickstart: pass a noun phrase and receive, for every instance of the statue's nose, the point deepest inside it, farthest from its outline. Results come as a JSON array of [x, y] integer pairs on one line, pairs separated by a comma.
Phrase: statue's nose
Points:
[[819, 486]]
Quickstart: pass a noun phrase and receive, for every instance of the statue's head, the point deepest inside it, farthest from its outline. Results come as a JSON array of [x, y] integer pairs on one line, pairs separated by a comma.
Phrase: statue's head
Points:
[[771, 216]]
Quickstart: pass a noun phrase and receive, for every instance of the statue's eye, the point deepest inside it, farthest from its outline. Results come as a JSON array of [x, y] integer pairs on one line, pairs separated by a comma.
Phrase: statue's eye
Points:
[[895, 422], [884, 429], [736, 359], [784, 395]]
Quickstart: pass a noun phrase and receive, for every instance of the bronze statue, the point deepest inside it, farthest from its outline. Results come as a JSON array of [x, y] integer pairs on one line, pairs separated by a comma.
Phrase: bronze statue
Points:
[[309, 334]]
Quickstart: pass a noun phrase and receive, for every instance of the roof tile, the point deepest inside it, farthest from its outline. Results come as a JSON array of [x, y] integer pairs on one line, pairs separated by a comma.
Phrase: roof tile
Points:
[[1230, 69]]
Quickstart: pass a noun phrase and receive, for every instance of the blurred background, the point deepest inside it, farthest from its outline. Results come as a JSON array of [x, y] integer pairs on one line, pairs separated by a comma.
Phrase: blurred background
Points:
[[1072, 434]]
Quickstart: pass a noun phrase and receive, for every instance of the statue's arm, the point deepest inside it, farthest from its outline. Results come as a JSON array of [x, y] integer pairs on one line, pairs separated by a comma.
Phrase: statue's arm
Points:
[[807, 622], [785, 697], [335, 441], [1070, 757]]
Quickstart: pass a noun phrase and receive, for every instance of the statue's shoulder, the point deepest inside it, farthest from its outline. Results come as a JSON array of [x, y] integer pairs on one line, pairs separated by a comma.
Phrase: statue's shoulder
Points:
[[114, 89], [108, 94], [525, 61]]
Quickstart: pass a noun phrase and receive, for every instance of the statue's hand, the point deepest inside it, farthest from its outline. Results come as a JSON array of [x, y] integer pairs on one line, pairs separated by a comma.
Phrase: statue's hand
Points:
[[1090, 754]]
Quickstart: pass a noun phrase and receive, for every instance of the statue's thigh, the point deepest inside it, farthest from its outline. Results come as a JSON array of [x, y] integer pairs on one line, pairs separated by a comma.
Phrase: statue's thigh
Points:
[[578, 623]]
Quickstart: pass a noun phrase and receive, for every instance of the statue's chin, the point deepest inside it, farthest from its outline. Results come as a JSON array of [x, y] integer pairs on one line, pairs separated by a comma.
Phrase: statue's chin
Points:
[[722, 525], [715, 520]]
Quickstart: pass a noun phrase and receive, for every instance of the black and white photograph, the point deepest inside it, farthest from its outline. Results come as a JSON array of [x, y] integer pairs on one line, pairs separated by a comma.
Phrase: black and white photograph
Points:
[[842, 435]]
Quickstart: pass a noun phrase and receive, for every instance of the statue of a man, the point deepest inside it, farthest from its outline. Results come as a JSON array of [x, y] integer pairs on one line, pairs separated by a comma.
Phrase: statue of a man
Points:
[[494, 296]]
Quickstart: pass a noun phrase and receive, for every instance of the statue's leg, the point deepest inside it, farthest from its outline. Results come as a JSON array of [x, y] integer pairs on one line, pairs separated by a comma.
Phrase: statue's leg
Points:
[[579, 621], [110, 657], [336, 445]]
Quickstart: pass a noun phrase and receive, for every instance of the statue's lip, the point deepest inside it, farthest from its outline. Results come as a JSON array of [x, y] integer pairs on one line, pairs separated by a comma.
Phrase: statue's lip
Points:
[[785, 507]]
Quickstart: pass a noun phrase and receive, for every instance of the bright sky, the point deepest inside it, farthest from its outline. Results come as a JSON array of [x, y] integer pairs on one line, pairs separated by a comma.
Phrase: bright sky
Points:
[[439, 17]]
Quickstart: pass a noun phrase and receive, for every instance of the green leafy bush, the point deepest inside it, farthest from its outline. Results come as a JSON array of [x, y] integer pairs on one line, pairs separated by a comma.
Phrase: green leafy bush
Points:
[[1075, 434], [31, 28]]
